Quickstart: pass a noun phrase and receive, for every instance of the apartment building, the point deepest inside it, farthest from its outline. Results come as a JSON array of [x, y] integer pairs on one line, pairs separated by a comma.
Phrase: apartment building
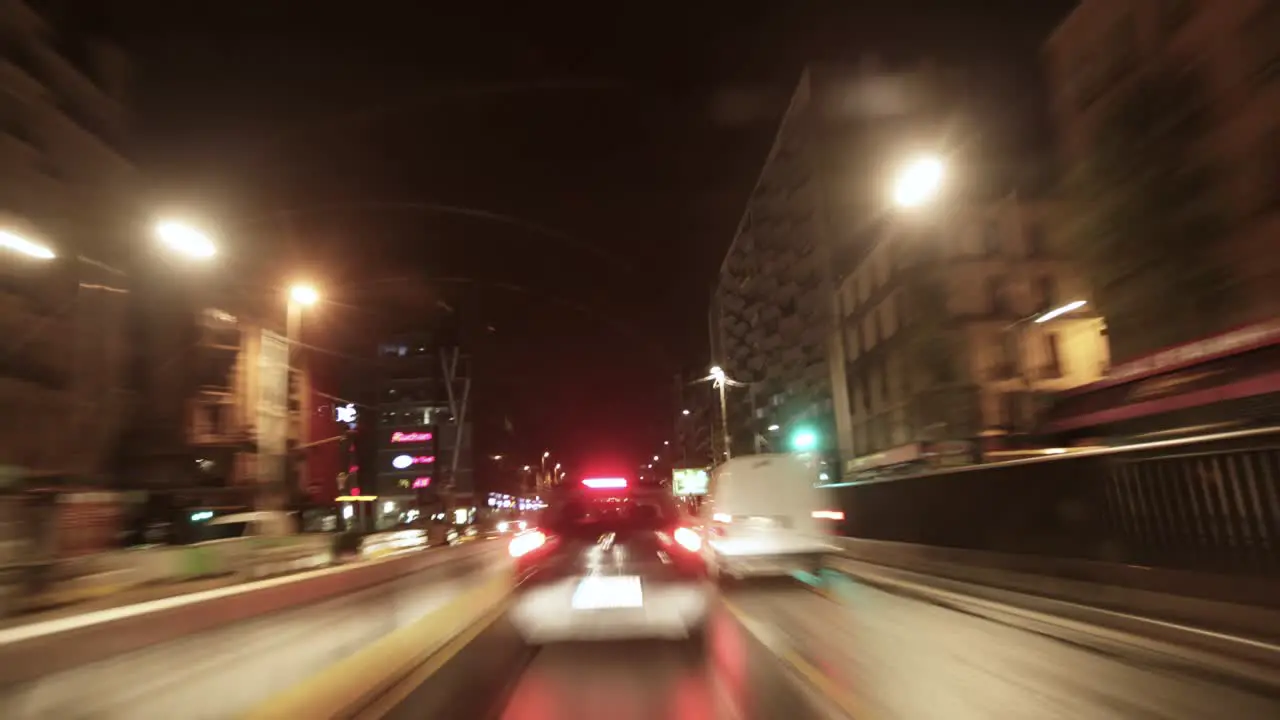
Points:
[[1225, 58], [249, 418], [942, 351], [65, 181], [822, 181]]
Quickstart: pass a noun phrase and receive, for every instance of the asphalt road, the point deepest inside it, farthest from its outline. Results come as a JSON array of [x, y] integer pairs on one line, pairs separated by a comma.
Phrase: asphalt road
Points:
[[898, 657]]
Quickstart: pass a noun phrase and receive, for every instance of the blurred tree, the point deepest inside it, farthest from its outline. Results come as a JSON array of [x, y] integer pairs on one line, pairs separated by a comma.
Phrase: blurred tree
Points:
[[1142, 218]]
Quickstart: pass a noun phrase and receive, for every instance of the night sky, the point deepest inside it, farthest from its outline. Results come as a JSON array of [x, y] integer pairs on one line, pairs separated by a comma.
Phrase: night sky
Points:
[[569, 174]]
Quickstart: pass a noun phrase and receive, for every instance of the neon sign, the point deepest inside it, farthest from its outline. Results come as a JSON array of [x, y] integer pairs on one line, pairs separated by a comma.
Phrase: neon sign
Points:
[[403, 462], [421, 482], [410, 437]]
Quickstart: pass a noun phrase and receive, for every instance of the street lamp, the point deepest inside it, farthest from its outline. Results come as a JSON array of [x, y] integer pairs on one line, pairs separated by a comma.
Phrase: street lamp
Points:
[[1057, 312], [19, 244], [919, 182], [718, 377], [305, 295], [185, 239]]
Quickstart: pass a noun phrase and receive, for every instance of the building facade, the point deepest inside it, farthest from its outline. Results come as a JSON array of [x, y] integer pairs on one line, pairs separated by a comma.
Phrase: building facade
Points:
[[423, 436], [941, 349], [249, 420], [1211, 70], [823, 181], [66, 183]]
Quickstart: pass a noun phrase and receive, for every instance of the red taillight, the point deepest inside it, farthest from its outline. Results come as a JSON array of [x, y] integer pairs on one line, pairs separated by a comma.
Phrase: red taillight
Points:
[[525, 543], [828, 515], [687, 539], [605, 483]]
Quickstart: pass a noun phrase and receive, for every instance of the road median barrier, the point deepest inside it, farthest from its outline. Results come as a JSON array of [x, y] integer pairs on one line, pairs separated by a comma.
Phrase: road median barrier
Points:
[[347, 688]]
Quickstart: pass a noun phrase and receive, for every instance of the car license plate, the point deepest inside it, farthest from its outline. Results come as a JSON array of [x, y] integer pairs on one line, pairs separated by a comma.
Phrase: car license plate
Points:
[[599, 592]]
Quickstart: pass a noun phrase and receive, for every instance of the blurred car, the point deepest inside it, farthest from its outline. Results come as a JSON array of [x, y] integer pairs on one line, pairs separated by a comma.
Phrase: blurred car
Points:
[[511, 526], [609, 560]]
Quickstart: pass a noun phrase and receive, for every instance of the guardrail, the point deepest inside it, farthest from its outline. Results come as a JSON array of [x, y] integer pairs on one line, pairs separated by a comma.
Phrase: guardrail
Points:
[[41, 664], [1206, 504]]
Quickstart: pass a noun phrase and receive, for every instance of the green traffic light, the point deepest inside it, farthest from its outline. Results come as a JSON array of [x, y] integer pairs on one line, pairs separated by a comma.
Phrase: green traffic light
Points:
[[804, 440]]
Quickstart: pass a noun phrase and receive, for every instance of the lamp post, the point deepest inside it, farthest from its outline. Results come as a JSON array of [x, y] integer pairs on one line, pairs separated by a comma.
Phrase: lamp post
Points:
[[718, 378]]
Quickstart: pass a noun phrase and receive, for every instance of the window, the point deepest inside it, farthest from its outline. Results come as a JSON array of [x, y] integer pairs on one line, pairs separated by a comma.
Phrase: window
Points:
[[991, 238], [1037, 245], [1009, 409], [1046, 291], [995, 295], [589, 514], [1053, 362]]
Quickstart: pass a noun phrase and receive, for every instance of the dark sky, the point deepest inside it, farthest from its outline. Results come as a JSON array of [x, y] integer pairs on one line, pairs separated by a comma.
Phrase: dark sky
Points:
[[601, 184]]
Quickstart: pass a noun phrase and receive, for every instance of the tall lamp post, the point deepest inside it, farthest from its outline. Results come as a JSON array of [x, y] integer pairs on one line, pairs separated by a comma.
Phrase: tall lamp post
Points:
[[718, 378]]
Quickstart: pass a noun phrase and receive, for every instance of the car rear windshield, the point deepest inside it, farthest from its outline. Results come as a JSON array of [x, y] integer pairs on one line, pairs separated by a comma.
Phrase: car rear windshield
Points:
[[594, 514]]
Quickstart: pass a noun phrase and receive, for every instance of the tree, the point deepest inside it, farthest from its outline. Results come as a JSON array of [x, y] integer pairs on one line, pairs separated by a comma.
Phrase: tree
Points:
[[1143, 222]]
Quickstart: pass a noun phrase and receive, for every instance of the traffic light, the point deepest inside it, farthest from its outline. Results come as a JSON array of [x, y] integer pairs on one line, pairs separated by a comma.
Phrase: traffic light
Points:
[[804, 440]]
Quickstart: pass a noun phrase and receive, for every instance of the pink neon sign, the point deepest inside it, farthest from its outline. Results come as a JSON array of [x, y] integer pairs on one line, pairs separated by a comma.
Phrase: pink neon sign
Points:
[[421, 482], [410, 437]]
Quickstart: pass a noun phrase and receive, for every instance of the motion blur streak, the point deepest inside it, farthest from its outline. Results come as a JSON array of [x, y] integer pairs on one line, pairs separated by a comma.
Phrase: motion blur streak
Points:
[[902, 657]]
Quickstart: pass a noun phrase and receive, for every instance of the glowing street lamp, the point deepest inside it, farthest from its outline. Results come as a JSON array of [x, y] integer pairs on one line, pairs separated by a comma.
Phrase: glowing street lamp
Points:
[[1058, 312], [919, 182], [185, 239], [305, 295], [19, 244]]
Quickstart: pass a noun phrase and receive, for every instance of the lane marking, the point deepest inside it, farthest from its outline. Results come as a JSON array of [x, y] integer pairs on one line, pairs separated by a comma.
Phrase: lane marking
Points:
[[847, 702]]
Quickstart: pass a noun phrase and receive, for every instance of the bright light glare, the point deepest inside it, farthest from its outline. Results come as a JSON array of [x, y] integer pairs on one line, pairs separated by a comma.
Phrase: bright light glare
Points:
[[684, 412], [1061, 311], [717, 372], [919, 182], [828, 515], [722, 517], [688, 539], [185, 239], [804, 440], [526, 543], [605, 483], [19, 244], [774, 428], [304, 295]]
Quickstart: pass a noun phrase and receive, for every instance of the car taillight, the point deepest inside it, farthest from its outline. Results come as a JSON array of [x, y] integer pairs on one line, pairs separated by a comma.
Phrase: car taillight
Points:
[[722, 517], [828, 515], [525, 543], [687, 539]]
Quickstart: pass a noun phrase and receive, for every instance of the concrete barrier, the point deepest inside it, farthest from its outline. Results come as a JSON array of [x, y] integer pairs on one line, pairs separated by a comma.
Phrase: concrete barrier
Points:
[[1236, 604], [376, 678]]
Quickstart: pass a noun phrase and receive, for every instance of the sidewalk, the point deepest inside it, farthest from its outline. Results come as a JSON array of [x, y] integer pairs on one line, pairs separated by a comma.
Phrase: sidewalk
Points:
[[117, 599]]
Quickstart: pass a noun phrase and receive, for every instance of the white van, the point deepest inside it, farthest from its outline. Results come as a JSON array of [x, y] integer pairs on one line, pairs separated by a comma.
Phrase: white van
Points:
[[764, 515]]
